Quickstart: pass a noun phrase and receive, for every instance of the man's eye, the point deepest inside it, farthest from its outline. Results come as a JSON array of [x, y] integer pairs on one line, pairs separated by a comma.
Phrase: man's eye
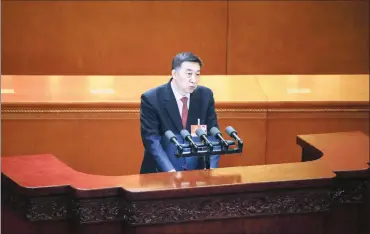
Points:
[[189, 74]]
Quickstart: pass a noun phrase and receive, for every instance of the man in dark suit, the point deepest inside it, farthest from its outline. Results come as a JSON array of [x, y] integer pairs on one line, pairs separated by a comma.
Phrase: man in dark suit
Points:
[[174, 106]]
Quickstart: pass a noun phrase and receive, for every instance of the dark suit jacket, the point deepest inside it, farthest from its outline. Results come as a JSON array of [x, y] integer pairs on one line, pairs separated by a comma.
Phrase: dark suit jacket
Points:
[[158, 113]]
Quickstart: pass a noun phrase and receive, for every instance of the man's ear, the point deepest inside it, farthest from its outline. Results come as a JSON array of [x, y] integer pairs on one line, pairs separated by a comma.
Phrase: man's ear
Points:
[[173, 72]]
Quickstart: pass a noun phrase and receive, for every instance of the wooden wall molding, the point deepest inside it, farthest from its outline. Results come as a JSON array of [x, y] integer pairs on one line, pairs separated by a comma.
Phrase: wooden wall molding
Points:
[[70, 113], [112, 113], [326, 110], [321, 114], [223, 113]]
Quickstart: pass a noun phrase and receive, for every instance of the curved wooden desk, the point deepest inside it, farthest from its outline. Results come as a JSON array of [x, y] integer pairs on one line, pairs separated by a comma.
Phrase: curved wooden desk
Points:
[[42, 194]]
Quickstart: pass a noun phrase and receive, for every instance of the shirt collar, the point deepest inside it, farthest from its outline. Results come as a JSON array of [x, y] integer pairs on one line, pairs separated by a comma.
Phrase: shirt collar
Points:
[[178, 96]]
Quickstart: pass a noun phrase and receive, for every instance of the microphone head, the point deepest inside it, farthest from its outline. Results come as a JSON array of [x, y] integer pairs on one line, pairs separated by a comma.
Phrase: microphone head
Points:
[[169, 134], [214, 131], [200, 132], [229, 130], [184, 133]]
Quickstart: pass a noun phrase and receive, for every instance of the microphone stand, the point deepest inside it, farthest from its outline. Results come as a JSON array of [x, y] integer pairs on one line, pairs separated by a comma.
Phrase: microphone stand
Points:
[[218, 149], [207, 162]]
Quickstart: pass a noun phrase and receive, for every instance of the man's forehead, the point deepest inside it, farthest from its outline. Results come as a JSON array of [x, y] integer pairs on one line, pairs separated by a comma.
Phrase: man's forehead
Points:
[[192, 66]]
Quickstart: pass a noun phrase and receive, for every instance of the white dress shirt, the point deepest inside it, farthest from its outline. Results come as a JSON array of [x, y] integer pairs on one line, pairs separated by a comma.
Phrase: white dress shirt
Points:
[[178, 97]]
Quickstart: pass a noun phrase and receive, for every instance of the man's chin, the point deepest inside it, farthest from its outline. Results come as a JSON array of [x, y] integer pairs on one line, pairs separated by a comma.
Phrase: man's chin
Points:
[[192, 89]]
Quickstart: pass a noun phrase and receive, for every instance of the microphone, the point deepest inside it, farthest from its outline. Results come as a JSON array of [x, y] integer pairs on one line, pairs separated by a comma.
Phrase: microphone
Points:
[[203, 136], [215, 132], [231, 132], [186, 135], [171, 137]]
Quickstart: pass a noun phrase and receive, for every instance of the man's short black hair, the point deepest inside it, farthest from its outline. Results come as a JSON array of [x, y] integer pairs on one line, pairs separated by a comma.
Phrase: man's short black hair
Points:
[[185, 57]]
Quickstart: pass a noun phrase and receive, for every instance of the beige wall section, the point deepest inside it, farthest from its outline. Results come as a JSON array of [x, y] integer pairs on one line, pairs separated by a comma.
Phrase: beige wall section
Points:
[[141, 37], [289, 90], [110, 37]]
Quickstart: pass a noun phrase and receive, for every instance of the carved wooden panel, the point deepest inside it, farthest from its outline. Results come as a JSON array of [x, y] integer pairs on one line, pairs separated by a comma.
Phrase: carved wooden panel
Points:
[[163, 211]]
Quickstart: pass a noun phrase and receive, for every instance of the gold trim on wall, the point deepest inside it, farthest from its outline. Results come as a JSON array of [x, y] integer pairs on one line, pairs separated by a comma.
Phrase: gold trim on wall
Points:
[[308, 110], [137, 110], [111, 113], [134, 113]]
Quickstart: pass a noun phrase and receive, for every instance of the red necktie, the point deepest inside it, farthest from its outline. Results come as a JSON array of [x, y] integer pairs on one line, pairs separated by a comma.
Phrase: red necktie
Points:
[[184, 116]]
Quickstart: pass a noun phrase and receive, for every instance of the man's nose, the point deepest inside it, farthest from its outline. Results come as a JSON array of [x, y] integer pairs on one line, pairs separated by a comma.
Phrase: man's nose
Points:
[[193, 78]]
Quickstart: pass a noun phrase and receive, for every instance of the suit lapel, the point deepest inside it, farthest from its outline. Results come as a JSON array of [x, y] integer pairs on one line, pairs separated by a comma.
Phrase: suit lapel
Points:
[[171, 107], [195, 109]]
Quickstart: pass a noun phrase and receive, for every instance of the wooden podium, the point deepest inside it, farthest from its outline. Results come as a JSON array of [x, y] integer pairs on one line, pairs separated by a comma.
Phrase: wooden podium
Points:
[[328, 192]]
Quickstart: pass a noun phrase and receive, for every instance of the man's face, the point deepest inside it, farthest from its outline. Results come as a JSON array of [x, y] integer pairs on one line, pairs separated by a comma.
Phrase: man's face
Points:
[[186, 78]]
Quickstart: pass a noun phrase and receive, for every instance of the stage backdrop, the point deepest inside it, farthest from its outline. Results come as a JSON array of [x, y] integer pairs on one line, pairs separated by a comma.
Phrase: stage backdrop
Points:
[[141, 37]]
